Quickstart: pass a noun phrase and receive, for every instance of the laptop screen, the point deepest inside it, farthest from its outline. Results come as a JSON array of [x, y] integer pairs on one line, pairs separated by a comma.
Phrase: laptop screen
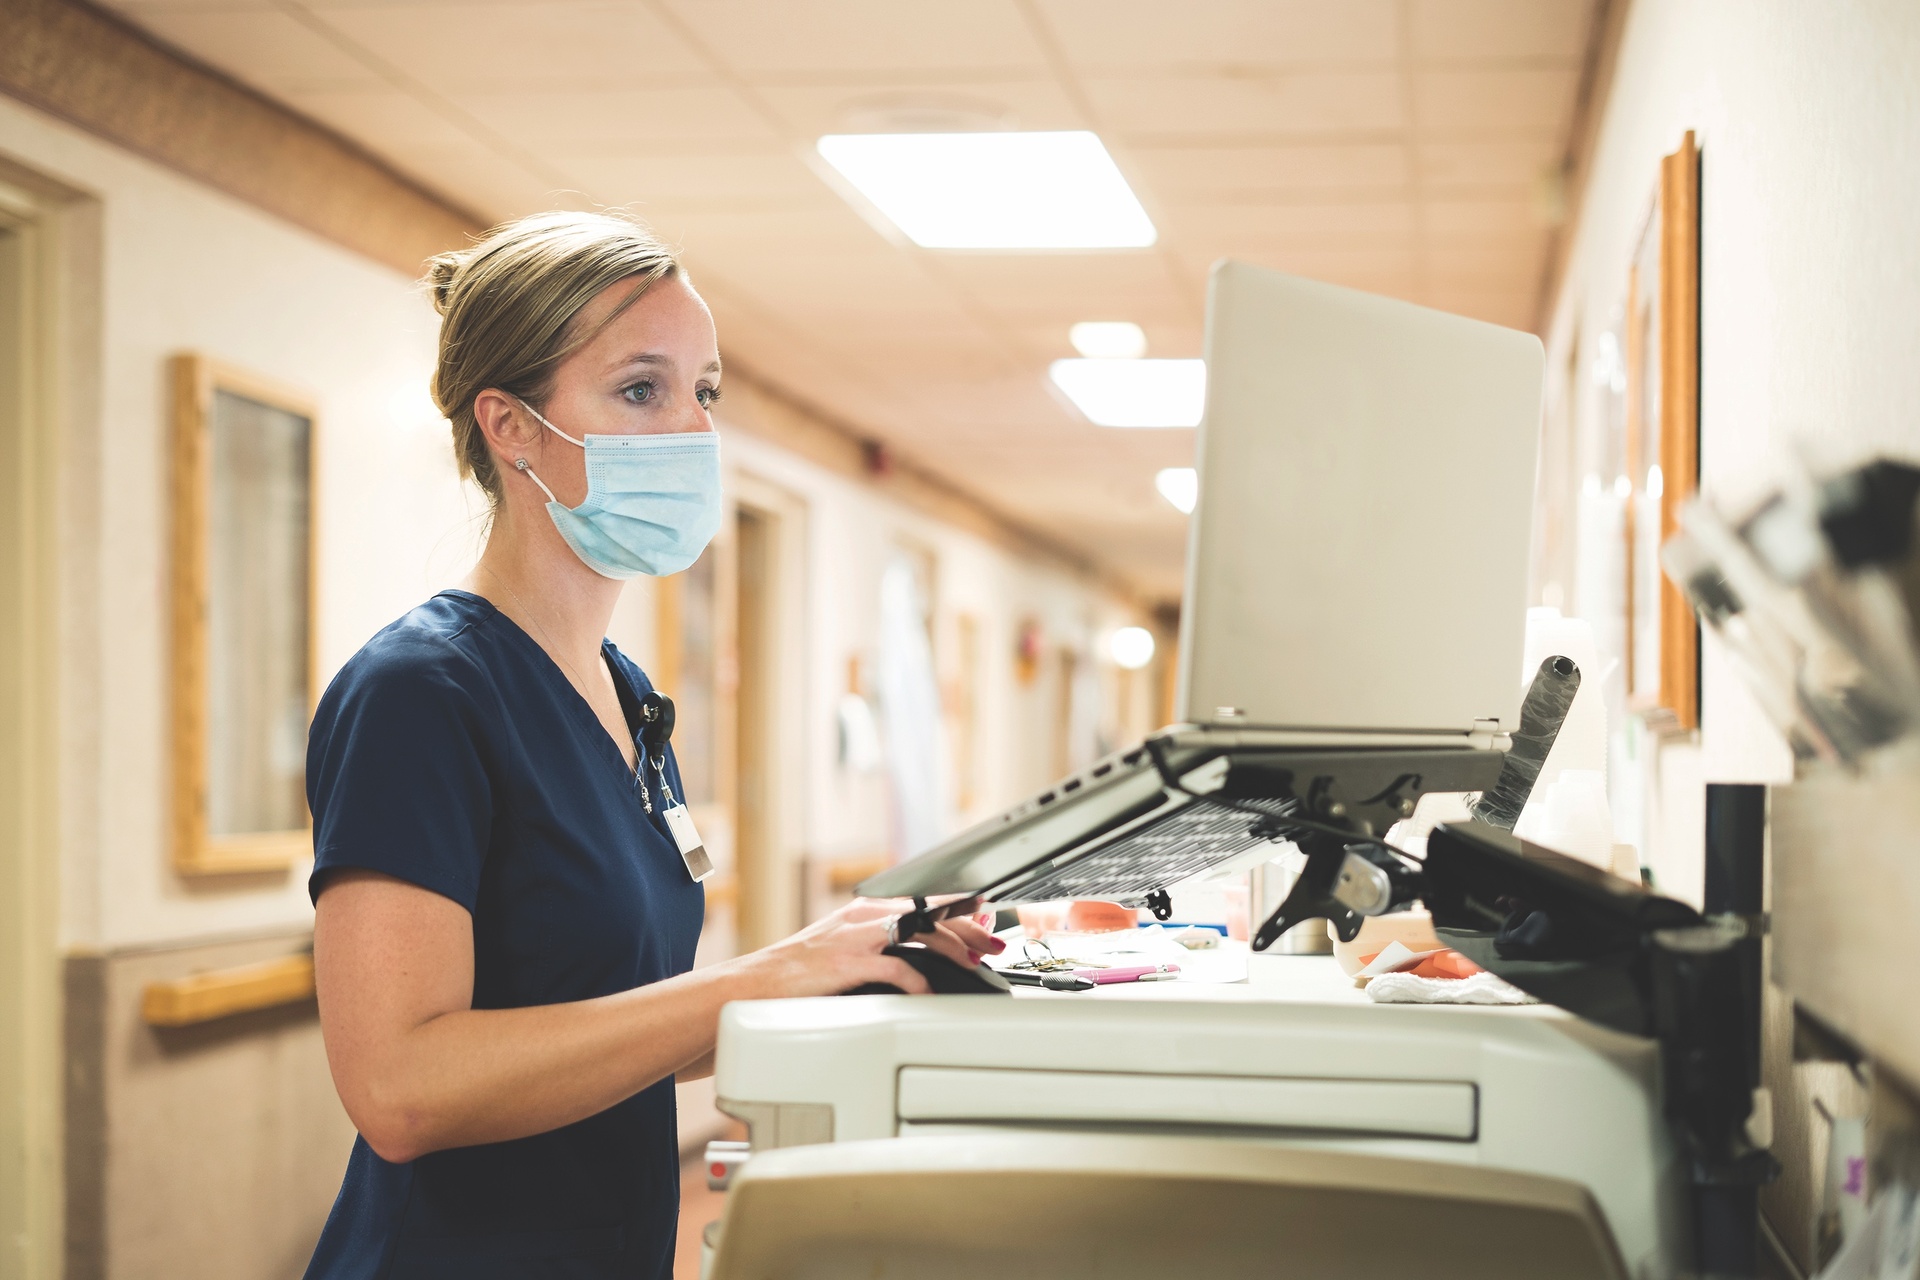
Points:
[[1358, 556]]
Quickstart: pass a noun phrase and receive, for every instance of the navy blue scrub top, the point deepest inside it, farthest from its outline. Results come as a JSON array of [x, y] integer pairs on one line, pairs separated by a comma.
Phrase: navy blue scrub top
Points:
[[452, 753]]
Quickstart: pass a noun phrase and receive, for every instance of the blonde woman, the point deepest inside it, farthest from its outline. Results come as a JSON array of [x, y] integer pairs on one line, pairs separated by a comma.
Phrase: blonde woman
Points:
[[503, 878]]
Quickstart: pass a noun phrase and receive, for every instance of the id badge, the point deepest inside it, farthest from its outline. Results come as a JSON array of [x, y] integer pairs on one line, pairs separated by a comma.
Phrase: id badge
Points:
[[692, 852]]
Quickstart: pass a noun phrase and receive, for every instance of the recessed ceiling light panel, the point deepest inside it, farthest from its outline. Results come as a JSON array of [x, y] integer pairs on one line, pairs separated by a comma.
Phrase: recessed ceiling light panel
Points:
[[1108, 339], [999, 190], [1134, 393], [1180, 486]]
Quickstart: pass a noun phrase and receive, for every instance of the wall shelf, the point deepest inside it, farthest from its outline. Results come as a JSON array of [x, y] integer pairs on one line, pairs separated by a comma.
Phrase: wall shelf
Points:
[[221, 993]]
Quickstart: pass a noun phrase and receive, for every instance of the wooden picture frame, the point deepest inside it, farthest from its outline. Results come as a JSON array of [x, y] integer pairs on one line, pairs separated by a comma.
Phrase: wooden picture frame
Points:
[[242, 663], [1662, 347]]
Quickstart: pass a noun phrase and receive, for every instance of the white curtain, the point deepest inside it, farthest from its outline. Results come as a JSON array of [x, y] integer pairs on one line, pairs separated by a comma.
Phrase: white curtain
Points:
[[910, 713]]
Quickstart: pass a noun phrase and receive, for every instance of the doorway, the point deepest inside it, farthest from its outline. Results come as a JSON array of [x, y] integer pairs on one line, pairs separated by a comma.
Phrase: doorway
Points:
[[755, 839]]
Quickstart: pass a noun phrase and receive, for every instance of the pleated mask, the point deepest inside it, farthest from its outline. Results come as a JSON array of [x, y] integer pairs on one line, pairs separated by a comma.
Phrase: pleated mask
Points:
[[652, 504]]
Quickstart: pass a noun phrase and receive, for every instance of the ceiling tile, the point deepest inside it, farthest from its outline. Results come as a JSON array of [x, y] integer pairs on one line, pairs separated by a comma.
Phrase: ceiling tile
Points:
[[1266, 223], [771, 180], [1239, 106], [1072, 287], [265, 48], [1481, 29], [558, 43], [1046, 339], [1186, 174], [876, 284], [1480, 216], [565, 120], [752, 234], [1516, 265], [1108, 34], [812, 39], [1023, 102], [1520, 165], [1494, 103], [479, 178]]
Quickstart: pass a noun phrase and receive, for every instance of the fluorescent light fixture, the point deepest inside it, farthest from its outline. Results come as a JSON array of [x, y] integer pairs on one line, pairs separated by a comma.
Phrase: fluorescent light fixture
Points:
[[1131, 647], [1001, 190], [1134, 393], [1108, 339], [1179, 486]]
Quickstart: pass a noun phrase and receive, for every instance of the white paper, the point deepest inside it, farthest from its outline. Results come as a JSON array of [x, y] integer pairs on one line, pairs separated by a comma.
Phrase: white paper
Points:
[[1393, 958]]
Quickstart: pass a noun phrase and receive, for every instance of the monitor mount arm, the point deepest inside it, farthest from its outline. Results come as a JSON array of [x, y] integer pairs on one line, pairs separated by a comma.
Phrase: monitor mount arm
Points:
[[1346, 880]]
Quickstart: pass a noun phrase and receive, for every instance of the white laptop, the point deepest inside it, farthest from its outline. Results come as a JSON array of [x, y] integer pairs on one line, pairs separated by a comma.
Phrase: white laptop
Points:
[[1356, 597], [1358, 556]]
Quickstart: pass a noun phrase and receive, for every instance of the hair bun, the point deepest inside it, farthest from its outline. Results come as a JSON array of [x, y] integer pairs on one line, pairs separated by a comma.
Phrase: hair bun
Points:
[[441, 270]]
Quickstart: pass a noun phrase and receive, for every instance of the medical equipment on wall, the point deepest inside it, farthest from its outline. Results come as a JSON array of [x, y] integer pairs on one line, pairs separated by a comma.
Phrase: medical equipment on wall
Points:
[[1815, 592], [1356, 585]]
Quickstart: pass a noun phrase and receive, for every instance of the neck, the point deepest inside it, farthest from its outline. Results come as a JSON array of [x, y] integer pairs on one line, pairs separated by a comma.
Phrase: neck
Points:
[[529, 573]]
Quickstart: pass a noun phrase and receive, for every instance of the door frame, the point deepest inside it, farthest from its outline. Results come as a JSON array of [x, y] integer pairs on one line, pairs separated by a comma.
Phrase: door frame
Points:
[[770, 859], [55, 234]]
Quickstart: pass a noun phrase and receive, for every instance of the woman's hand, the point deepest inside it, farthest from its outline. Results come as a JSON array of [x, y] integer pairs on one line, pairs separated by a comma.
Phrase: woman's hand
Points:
[[843, 950]]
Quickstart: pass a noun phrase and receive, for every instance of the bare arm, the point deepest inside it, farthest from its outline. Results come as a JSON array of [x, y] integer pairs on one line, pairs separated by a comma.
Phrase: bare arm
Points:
[[419, 1069], [699, 1069]]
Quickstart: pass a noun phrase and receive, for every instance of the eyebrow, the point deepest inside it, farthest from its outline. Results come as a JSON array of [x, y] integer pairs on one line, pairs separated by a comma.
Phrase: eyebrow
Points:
[[658, 360]]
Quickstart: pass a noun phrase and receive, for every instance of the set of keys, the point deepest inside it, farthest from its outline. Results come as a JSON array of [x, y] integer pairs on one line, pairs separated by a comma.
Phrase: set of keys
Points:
[[656, 730]]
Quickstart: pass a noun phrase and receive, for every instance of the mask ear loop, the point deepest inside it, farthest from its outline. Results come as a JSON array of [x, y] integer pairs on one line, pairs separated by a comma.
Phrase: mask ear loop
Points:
[[520, 464]]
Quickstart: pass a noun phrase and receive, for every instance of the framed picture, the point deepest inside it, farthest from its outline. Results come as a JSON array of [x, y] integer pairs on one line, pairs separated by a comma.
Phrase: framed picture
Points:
[[1662, 444], [242, 677]]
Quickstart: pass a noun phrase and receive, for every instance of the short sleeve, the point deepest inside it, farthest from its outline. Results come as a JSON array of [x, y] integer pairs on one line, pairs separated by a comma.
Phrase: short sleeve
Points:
[[396, 769]]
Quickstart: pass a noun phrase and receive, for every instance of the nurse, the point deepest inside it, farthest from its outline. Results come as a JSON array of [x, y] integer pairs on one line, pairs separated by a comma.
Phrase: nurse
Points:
[[505, 921]]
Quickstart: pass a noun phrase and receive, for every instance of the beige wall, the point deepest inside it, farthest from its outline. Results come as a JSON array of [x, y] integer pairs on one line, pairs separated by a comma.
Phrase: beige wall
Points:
[[185, 268], [204, 1151], [1808, 117]]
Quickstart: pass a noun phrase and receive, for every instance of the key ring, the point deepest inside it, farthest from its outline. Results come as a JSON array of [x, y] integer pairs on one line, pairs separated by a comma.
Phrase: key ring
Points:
[[1040, 958]]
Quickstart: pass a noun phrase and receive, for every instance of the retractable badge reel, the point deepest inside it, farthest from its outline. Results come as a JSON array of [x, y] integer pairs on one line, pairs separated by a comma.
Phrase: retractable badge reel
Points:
[[656, 715]]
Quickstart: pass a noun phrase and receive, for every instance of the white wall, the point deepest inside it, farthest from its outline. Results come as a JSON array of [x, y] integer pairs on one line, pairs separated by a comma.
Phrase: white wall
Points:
[[1808, 116]]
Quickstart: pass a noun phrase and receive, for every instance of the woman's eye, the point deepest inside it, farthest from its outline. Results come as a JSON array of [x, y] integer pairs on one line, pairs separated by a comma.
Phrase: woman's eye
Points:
[[639, 392], [707, 396]]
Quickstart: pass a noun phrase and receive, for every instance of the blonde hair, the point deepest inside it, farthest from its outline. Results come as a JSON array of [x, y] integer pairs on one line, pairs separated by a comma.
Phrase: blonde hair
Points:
[[508, 307]]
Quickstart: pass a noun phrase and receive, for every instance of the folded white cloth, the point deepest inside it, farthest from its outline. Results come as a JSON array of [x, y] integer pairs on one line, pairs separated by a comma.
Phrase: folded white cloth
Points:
[[1481, 988]]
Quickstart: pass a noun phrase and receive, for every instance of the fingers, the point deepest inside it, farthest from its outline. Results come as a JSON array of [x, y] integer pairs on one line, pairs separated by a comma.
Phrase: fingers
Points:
[[947, 944], [977, 938], [902, 975]]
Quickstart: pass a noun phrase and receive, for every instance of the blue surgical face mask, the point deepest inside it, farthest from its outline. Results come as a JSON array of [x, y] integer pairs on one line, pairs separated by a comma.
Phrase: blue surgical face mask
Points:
[[652, 505]]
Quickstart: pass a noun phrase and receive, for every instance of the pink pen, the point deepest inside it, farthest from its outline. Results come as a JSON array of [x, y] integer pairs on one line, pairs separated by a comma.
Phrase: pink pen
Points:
[[1130, 973]]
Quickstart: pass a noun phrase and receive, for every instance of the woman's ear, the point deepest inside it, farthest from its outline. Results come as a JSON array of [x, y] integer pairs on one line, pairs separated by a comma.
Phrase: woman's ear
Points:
[[509, 429]]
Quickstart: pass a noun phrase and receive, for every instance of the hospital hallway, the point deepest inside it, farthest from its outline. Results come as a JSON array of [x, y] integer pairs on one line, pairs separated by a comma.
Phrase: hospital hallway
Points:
[[1231, 518]]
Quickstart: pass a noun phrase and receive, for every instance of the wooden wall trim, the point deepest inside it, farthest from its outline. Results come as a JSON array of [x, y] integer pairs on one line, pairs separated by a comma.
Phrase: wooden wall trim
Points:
[[95, 71]]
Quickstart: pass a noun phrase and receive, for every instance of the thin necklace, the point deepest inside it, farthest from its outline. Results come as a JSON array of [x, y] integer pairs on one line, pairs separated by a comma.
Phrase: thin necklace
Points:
[[580, 681]]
